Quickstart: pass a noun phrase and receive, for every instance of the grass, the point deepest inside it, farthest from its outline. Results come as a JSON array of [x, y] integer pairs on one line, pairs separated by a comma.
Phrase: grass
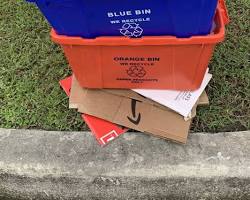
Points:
[[31, 66]]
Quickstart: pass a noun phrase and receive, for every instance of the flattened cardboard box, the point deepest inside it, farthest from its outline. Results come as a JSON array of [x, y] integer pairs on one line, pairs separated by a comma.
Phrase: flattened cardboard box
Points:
[[127, 108]]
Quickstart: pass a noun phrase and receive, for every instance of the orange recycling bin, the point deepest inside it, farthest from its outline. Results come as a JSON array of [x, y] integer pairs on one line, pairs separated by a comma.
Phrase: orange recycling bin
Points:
[[150, 62]]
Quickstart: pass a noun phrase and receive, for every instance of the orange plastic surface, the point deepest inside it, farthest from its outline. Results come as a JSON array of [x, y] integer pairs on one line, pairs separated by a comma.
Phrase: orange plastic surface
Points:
[[161, 62]]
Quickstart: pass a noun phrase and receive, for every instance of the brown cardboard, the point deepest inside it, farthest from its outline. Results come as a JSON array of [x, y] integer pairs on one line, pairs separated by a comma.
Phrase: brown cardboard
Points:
[[127, 108], [203, 100]]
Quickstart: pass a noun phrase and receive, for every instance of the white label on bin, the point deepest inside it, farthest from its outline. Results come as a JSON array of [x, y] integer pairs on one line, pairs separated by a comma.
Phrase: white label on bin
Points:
[[130, 20]]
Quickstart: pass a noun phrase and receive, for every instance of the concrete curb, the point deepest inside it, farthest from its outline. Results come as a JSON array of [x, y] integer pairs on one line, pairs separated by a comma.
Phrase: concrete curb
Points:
[[71, 165]]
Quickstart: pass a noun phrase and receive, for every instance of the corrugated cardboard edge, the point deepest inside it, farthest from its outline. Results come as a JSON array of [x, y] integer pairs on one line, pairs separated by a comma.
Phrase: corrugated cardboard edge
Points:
[[74, 95], [203, 99]]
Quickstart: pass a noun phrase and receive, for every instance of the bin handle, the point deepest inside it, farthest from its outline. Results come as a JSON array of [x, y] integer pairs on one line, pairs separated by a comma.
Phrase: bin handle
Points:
[[223, 8]]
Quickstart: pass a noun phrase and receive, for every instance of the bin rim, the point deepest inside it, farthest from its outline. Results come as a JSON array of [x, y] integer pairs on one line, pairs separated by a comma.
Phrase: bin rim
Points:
[[221, 19]]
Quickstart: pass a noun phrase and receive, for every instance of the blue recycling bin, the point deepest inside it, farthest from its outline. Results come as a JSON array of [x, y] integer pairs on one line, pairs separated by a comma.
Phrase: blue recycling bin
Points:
[[131, 18]]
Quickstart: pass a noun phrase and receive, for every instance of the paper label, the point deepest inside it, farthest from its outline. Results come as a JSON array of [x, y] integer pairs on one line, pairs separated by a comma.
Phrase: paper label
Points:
[[180, 101]]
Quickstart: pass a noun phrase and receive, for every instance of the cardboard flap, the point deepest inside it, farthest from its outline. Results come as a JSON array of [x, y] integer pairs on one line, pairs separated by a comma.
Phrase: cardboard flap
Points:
[[128, 94], [76, 97], [168, 121], [134, 114], [203, 99], [99, 103]]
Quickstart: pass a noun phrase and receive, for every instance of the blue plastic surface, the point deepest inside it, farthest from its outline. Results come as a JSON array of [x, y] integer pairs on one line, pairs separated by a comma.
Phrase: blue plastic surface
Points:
[[132, 18]]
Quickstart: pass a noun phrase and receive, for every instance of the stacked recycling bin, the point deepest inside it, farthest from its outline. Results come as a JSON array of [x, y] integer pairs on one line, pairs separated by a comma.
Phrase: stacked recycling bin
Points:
[[155, 44]]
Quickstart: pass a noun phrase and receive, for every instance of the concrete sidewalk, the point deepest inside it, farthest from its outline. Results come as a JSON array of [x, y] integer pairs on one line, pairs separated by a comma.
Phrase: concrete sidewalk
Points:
[[71, 165]]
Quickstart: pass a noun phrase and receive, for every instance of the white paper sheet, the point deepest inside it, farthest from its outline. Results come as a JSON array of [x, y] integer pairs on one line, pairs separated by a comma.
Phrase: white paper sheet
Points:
[[180, 101]]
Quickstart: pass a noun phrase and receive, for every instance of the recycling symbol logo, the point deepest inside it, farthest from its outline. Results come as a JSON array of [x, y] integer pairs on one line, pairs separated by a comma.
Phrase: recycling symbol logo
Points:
[[136, 72], [131, 30]]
